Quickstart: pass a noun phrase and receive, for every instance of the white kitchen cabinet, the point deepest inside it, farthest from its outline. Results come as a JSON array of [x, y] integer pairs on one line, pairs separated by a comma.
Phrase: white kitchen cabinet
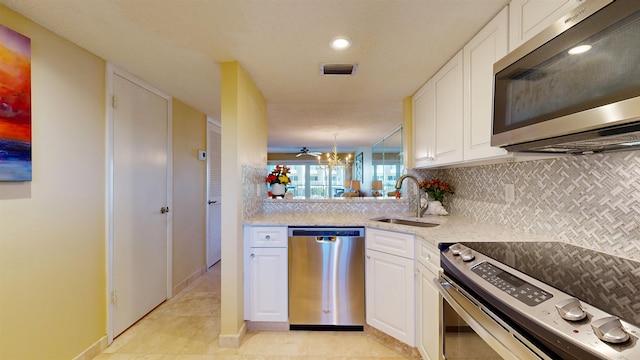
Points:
[[424, 126], [479, 55], [527, 18], [391, 242], [428, 302], [266, 274], [268, 236], [438, 117], [390, 287]]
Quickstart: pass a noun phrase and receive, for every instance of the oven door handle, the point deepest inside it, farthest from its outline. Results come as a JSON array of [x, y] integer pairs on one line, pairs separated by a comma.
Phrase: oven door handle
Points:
[[495, 332]]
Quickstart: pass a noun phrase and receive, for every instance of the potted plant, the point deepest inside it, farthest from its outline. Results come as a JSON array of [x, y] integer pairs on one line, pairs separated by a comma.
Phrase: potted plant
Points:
[[436, 189], [278, 179]]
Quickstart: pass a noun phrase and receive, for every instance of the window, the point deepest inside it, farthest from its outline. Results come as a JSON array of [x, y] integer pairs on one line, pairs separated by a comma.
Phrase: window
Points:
[[387, 160], [310, 181]]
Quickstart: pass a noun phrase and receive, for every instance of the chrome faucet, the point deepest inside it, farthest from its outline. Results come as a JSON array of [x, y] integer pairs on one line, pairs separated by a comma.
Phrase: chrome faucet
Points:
[[419, 209]]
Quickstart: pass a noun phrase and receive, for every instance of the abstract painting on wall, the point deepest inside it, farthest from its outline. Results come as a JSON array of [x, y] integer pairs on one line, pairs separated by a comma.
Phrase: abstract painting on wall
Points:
[[15, 106]]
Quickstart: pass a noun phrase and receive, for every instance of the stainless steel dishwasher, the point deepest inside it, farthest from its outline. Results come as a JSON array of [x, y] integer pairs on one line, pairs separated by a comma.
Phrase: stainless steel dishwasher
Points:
[[326, 278]]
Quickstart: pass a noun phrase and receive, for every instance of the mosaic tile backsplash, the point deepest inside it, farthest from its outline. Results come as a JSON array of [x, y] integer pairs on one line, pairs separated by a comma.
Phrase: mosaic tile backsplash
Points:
[[254, 200], [588, 200], [254, 190]]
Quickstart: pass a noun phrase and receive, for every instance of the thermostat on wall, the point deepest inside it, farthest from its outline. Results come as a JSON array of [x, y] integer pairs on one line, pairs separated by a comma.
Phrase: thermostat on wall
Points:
[[202, 155]]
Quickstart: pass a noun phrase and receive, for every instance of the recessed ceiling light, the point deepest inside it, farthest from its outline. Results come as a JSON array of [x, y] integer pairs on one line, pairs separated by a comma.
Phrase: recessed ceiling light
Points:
[[579, 49], [340, 42]]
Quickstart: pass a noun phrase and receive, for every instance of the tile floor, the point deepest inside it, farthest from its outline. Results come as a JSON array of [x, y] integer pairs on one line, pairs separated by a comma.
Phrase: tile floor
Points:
[[187, 326]]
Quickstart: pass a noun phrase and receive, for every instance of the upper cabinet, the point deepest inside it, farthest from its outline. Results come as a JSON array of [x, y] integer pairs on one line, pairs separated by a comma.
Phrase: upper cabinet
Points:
[[488, 46], [437, 117], [529, 17], [424, 125], [452, 112]]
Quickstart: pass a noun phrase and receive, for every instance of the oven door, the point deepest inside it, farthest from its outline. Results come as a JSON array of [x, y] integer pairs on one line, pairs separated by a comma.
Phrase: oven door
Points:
[[470, 329]]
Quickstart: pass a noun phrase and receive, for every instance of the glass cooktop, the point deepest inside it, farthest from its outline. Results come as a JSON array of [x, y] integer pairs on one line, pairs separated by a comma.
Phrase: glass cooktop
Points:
[[602, 280]]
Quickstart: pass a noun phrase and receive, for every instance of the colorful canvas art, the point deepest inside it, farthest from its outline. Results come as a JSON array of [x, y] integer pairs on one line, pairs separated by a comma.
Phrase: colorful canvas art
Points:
[[15, 106]]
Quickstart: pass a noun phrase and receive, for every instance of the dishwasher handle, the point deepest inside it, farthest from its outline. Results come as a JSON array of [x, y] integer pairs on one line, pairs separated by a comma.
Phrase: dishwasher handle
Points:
[[326, 239]]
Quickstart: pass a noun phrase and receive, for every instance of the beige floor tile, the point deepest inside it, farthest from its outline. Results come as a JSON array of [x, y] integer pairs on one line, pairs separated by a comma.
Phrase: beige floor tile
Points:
[[105, 356], [130, 333], [187, 327], [192, 304], [272, 357], [340, 344], [166, 335], [276, 344]]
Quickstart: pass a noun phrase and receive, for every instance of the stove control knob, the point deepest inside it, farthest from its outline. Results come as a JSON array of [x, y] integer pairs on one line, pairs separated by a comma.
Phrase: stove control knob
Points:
[[456, 249], [610, 330], [467, 255], [571, 310]]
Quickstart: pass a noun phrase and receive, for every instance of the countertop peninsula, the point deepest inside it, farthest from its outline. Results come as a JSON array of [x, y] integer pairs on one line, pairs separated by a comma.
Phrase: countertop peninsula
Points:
[[451, 228]]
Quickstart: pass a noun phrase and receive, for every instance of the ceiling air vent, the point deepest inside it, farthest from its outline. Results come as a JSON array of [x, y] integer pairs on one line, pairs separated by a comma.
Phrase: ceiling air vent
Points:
[[338, 69]]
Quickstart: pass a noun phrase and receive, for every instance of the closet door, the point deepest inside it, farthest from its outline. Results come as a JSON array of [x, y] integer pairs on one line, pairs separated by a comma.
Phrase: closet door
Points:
[[214, 207], [140, 201]]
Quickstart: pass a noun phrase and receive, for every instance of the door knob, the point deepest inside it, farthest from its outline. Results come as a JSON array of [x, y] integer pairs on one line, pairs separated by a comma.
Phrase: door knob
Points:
[[164, 210]]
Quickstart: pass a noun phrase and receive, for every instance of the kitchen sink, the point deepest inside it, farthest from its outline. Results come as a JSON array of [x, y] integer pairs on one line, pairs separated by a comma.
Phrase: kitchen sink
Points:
[[406, 222]]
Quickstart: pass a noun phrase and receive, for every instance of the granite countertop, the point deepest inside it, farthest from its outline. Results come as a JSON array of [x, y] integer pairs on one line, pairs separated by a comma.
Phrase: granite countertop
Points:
[[451, 229]]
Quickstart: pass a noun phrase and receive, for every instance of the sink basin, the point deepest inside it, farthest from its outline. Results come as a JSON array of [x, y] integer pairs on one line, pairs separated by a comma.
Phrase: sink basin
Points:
[[406, 222]]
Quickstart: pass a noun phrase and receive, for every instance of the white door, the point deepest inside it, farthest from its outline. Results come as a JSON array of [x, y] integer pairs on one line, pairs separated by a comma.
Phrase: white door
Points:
[[140, 166], [214, 207]]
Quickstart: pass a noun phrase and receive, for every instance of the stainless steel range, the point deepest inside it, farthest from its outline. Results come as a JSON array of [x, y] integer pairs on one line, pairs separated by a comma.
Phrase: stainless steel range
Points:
[[550, 300]]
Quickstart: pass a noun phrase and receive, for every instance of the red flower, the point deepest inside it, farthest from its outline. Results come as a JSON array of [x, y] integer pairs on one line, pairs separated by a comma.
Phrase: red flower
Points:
[[278, 175], [436, 188]]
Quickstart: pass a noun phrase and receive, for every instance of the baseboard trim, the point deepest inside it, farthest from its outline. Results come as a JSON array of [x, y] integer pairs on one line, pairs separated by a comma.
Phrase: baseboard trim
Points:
[[94, 350], [233, 341], [267, 326], [188, 281]]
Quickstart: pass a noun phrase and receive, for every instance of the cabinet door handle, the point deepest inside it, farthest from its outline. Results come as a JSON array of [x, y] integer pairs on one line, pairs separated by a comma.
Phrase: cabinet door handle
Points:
[[267, 237], [368, 256], [253, 256]]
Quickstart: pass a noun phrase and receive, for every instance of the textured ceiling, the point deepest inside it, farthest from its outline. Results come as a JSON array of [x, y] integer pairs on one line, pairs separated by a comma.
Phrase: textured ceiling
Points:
[[177, 45]]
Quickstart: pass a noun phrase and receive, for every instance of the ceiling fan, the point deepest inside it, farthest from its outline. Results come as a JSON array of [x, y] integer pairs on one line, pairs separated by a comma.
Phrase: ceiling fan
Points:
[[305, 151]]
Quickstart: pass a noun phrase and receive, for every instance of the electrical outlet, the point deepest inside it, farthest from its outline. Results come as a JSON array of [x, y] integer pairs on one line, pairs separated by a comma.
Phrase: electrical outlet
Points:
[[509, 193]]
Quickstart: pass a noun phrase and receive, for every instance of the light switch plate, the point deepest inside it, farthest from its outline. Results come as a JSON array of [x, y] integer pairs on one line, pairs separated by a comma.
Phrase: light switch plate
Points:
[[202, 155]]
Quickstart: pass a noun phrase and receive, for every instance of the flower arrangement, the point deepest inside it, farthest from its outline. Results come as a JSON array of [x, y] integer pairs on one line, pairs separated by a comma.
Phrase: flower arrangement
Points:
[[436, 188], [279, 175]]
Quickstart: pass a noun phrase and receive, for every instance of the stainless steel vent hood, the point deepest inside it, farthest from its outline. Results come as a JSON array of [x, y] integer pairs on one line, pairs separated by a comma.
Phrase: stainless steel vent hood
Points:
[[548, 99]]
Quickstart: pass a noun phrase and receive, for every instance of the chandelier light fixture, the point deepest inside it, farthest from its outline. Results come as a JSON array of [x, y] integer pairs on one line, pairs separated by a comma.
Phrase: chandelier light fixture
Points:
[[332, 159]]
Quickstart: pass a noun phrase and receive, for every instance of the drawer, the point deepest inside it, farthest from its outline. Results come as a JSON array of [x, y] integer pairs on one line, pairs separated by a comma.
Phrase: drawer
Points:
[[268, 236], [391, 242], [428, 255]]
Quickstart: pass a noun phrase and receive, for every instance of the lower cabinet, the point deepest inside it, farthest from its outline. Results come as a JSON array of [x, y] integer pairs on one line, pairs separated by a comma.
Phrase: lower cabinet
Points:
[[266, 274], [428, 301], [390, 290], [268, 284], [428, 304]]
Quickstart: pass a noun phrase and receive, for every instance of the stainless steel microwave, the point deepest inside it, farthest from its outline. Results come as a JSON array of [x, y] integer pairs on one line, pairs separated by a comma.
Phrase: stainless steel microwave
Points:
[[575, 87]]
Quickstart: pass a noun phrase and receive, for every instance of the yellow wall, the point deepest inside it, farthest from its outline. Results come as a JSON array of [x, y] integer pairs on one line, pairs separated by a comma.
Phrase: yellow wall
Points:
[[52, 242], [407, 131], [189, 192], [52, 229], [244, 142]]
